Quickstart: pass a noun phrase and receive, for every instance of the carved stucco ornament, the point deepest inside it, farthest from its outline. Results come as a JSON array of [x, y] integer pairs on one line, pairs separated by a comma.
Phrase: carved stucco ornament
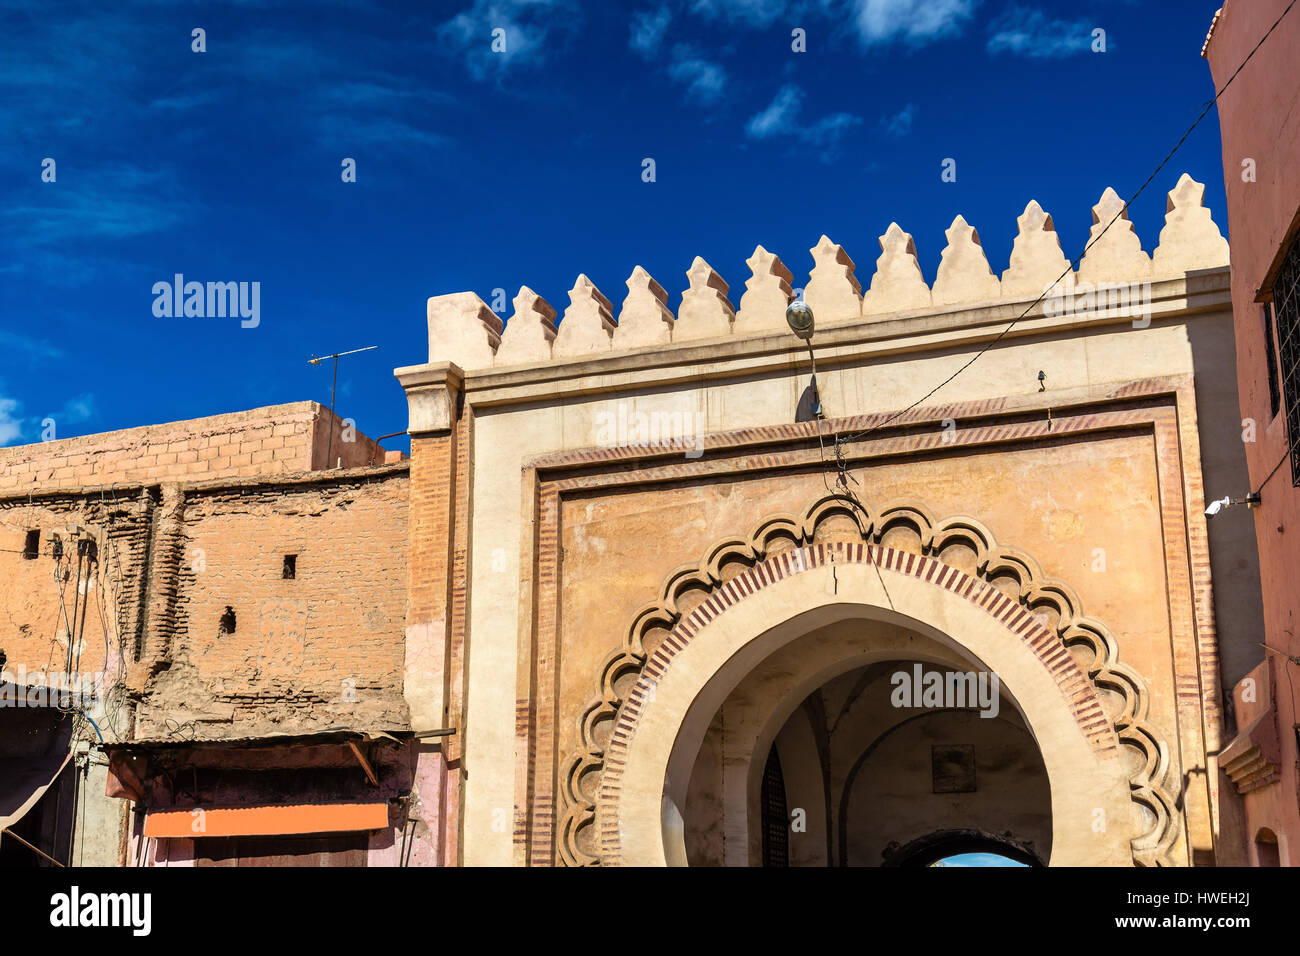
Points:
[[834, 519]]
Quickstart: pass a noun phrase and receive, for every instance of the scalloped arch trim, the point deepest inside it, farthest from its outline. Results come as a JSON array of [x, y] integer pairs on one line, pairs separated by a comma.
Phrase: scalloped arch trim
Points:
[[784, 545]]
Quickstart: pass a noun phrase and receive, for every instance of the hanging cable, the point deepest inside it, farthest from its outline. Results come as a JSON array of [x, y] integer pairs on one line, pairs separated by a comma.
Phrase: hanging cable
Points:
[[1075, 263]]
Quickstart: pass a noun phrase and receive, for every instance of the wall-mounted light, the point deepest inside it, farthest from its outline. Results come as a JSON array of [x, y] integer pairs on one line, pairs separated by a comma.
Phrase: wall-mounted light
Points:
[[1251, 500], [799, 316]]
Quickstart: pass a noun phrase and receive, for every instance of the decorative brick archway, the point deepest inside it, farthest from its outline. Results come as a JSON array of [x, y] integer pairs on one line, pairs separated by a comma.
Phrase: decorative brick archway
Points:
[[956, 556]]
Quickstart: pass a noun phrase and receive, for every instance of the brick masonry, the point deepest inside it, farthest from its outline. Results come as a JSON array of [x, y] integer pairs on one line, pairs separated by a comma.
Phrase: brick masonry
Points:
[[239, 650], [146, 535], [276, 440], [1150, 407]]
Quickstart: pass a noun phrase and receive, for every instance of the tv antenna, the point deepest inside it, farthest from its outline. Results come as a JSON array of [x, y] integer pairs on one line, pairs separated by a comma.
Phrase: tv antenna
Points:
[[314, 360]]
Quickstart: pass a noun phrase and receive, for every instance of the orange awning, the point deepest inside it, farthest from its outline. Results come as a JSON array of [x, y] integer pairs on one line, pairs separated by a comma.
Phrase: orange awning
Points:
[[266, 820]]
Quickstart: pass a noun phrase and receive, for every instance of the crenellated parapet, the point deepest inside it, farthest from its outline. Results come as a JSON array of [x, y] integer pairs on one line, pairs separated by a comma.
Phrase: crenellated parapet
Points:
[[464, 331], [767, 293], [898, 284], [1036, 257]]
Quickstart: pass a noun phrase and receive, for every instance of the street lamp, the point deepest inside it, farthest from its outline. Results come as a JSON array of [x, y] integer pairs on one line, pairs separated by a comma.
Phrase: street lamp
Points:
[[799, 316]]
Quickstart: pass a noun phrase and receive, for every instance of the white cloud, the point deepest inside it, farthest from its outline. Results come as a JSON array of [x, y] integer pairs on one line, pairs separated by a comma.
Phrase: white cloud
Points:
[[11, 426], [705, 80], [75, 411], [780, 115], [900, 124], [34, 348], [915, 22], [102, 205], [531, 29], [14, 426], [1031, 33], [781, 118], [648, 31]]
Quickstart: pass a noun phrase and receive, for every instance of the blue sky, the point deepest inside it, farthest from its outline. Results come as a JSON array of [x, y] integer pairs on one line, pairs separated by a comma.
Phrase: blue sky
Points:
[[980, 860], [478, 170]]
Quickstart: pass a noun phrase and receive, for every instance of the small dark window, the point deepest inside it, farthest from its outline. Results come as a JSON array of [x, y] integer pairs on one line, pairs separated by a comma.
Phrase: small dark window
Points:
[[290, 570], [89, 549], [1266, 848], [1286, 317], [1270, 356], [32, 546], [227, 623], [952, 768]]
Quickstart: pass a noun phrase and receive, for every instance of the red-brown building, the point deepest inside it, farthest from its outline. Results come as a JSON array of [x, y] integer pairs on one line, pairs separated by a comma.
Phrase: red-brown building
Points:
[[224, 617], [1259, 115]]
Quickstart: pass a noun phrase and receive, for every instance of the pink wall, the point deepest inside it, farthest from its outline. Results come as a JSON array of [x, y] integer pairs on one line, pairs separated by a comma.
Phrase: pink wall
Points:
[[1259, 118]]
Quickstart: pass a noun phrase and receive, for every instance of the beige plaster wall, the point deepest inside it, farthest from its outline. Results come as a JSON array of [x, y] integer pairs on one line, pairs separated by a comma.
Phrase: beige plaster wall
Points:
[[1057, 501], [618, 550]]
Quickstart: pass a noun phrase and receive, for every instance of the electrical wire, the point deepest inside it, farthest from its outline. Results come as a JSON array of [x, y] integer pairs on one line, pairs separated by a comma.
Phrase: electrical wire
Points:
[[1292, 660], [843, 476], [1281, 462], [1075, 263]]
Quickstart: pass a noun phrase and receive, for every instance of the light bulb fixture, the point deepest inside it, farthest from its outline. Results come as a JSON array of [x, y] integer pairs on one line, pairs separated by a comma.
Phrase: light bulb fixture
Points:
[[1251, 500], [799, 316]]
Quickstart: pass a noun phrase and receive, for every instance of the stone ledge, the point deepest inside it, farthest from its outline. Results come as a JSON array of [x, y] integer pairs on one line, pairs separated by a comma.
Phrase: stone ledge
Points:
[[837, 343]]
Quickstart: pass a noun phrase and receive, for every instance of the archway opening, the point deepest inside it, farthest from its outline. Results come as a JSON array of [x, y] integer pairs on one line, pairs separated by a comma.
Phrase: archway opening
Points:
[[903, 760], [961, 848]]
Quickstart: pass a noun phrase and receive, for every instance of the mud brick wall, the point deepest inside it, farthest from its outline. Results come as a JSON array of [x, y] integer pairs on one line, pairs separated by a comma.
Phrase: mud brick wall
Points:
[[276, 440], [41, 600], [236, 649]]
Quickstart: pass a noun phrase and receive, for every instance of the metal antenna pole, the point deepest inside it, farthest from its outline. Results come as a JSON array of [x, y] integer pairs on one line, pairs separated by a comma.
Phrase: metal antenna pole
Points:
[[329, 443]]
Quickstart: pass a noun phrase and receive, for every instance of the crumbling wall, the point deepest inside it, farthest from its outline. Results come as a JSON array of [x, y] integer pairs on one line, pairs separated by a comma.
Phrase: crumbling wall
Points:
[[278, 608], [74, 565], [276, 440]]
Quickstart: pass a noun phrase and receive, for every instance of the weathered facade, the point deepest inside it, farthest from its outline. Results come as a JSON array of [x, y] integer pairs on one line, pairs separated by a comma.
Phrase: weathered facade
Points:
[[1260, 122], [644, 539], [642, 596], [239, 617]]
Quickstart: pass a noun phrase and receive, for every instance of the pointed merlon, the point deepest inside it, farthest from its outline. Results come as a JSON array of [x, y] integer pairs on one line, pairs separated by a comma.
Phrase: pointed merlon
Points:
[[833, 290], [964, 273], [1190, 239], [1036, 257], [530, 331], [463, 330], [1117, 255], [587, 328], [705, 312], [645, 319], [898, 284], [767, 293]]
